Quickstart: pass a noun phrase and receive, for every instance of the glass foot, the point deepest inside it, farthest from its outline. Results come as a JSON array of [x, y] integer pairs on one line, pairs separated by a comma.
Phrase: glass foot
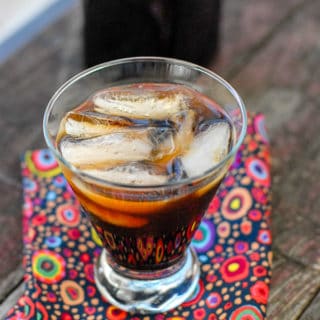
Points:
[[147, 292]]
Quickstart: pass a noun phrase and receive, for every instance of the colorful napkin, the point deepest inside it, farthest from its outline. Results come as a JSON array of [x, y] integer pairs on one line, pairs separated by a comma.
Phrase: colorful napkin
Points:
[[233, 244]]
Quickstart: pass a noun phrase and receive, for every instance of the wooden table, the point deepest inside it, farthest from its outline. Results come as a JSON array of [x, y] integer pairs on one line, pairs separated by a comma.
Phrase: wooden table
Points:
[[270, 51]]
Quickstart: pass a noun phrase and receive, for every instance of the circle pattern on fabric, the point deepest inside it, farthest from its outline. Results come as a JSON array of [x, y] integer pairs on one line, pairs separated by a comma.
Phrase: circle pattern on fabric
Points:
[[48, 266], [235, 269], [260, 127], [30, 185], [213, 300], [114, 313], [53, 242], [258, 171], [44, 160], [29, 308], [42, 313], [71, 293], [204, 237], [59, 181], [224, 229], [68, 215], [236, 204], [246, 312], [264, 236], [42, 163]]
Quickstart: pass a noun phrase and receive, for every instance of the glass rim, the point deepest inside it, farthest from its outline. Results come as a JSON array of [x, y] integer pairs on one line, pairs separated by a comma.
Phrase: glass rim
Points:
[[172, 61]]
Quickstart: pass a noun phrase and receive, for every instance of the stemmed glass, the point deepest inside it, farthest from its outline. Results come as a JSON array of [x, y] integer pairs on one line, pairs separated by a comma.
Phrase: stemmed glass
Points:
[[147, 264]]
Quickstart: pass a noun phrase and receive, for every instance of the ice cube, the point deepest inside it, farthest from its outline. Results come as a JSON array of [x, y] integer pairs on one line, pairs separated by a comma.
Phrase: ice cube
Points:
[[185, 122], [208, 148], [120, 121], [136, 173], [90, 124], [114, 147], [146, 106], [176, 170], [163, 142]]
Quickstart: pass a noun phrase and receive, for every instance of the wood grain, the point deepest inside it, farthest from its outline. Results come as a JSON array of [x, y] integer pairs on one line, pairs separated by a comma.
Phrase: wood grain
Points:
[[11, 299], [292, 288], [270, 51], [12, 280], [313, 310]]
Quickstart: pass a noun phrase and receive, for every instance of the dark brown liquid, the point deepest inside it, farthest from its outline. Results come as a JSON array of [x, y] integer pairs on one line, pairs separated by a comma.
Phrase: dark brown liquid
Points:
[[146, 227]]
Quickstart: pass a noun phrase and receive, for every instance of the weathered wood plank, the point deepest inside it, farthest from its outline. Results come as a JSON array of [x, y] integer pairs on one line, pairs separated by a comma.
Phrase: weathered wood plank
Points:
[[7, 304], [301, 244], [288, 59], [10, 230], [27, 82], [280, 82], [292, 288], [247, 26], [12, 280], [28, 79], [313, 311], [282, 79], [296, 188]]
